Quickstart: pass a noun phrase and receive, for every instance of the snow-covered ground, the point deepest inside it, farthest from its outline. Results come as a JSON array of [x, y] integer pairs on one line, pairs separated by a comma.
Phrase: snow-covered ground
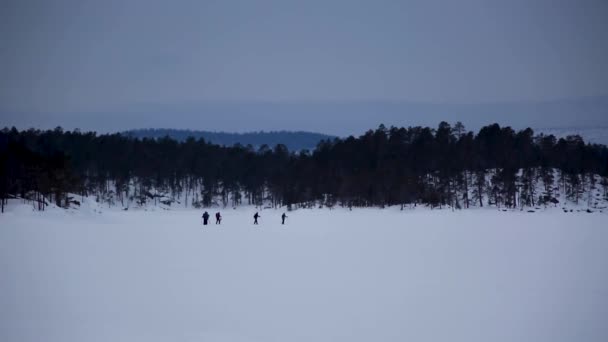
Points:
[[327, 275]]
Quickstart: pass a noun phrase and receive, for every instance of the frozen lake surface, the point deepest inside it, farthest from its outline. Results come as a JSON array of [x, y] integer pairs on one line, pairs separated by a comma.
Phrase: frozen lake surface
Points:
[[361, 275]]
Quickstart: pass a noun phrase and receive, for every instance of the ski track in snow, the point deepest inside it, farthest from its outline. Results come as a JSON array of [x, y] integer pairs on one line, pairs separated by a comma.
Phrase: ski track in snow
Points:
[[327, 275]]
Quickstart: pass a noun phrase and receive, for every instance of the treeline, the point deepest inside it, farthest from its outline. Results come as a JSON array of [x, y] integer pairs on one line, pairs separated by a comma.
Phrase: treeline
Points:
[[447, 166]]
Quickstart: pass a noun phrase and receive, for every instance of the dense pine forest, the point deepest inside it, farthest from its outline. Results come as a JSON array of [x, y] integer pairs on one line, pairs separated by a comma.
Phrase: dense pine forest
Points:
[[446, 166]]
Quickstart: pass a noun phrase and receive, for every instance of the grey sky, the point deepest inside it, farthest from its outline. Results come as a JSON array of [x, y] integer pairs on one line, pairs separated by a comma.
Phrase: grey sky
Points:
[[83, 60]]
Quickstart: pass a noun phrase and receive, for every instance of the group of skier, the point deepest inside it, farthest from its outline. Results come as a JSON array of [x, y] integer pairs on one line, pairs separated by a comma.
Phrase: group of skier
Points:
[[218, 218]]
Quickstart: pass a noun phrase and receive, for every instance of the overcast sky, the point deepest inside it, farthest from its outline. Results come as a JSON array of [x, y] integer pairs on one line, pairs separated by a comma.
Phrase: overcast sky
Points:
[[110, 65]]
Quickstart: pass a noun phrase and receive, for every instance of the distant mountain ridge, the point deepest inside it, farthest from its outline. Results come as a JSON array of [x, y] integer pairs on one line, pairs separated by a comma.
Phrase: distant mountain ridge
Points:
[[294, 140], [593, 135]]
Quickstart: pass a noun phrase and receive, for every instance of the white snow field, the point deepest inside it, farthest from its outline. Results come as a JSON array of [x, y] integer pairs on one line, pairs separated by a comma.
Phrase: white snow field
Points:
[[339, 275]]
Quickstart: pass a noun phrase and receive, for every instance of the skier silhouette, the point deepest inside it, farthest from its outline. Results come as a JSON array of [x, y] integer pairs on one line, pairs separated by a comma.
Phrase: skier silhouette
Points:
[[255, 218], [283, 217], [205, 218], [218, 218]]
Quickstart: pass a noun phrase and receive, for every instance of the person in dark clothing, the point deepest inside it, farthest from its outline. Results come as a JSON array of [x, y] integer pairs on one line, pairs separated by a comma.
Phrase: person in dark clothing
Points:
[[218, 218], [205, 218], [283, 217], [255, 218]]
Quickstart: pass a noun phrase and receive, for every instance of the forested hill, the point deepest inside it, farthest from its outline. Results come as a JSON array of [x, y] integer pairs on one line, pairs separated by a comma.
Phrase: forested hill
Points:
[[294, 141]]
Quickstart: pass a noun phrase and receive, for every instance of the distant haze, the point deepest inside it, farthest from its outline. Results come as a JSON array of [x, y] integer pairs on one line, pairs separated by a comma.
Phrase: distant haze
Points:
[[339, 118], [330, 66]]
